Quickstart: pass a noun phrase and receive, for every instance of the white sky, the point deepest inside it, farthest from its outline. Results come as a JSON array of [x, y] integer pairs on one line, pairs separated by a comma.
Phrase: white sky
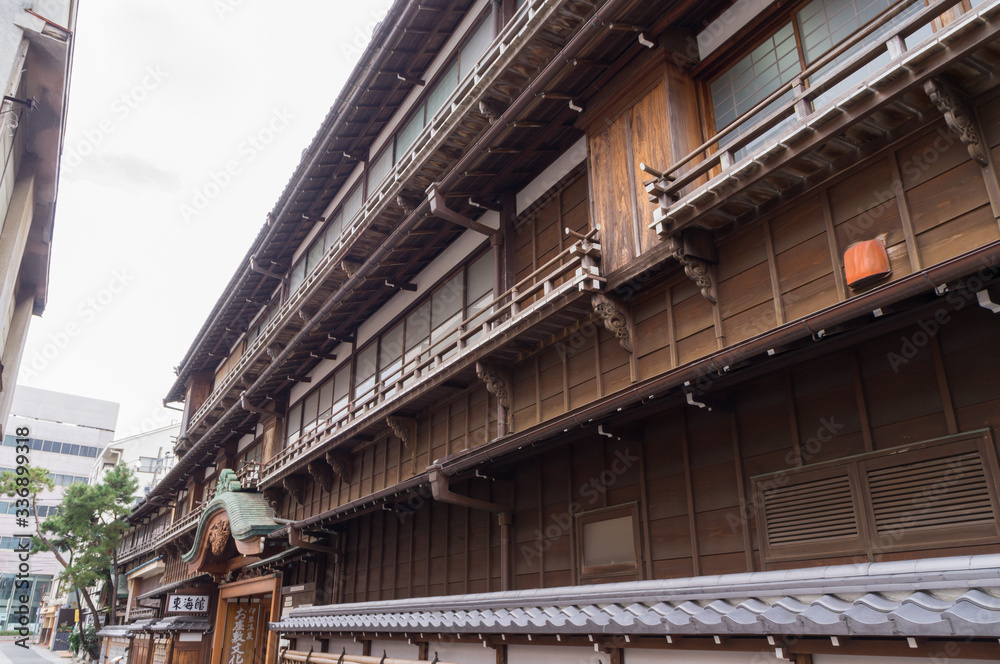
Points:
[[165, 94]]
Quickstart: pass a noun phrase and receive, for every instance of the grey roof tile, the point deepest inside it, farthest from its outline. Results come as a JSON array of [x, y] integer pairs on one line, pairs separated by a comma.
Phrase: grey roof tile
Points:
[[897, 601]]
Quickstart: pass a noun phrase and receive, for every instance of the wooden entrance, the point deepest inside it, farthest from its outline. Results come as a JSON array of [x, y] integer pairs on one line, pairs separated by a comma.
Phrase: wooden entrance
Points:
[[245, 608]]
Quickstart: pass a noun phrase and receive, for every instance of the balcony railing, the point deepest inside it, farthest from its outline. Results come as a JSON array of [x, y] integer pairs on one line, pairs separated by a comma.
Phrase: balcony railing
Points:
[[808, 108], [526, 23], [150, 541], [573, 269], [141, 613], [249, 475]]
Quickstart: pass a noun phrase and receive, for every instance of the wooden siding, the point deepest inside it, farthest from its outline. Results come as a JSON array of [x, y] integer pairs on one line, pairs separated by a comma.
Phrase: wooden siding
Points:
[[691, 472], [780, 268]]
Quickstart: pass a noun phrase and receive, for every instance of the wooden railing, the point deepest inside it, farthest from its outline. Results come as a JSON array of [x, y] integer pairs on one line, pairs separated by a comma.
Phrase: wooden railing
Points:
[[249, 475], [801, 108], [529, 20], [150, 541], [574, 268], [141, 613]]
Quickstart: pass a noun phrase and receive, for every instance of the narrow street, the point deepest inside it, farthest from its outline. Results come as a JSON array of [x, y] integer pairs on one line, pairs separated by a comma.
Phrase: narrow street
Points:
[[14, 654]]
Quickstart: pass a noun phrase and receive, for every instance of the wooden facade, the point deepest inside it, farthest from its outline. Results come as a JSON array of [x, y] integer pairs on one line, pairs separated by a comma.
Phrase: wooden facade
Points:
[[597, 332]]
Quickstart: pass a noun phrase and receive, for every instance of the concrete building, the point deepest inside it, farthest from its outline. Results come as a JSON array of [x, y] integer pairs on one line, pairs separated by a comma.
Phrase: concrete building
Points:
[[36, 50], [67, 433], [149, 454]]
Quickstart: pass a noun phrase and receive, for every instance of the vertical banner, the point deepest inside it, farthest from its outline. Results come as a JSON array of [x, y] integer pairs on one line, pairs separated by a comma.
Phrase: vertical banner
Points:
[[242, 628]]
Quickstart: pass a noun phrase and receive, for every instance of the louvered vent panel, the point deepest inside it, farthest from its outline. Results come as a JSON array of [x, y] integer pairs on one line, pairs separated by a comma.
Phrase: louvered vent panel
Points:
[[948, 492], [810, 512]]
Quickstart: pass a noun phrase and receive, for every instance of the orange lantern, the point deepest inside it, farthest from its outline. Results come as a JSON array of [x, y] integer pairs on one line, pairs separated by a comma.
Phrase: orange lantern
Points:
[[866, 262]]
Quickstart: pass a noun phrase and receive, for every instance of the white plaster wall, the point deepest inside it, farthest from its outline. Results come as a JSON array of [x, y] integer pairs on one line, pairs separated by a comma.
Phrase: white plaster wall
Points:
[[393, 649], [462, 653], [554, 655], [667, 656], [941, 658], [336, 646]]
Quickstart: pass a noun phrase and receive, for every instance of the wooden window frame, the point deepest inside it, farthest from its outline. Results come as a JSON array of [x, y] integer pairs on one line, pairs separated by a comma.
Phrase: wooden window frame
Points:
[[633, 570]]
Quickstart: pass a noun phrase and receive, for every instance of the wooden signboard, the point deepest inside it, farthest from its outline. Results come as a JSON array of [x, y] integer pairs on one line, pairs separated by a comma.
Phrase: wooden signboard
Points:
[[243, 631]]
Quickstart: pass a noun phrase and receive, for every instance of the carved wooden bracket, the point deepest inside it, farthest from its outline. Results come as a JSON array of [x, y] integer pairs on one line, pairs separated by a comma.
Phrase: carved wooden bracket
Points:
[[408, 203], [295, 485], [616, 317], [322, 473], [274, 350], [695, 250], [349, 267], [405, 429], [340, 462], [491, 108], [497, 381], [273, 497], [958, 115]]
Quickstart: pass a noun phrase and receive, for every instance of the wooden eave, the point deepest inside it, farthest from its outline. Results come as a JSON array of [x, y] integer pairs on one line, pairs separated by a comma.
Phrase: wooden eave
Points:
[[527, 151], [310, 192]]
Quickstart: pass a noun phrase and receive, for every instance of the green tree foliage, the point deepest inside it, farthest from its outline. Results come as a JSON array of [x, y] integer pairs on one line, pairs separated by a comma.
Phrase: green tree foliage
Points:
[[86, 530]]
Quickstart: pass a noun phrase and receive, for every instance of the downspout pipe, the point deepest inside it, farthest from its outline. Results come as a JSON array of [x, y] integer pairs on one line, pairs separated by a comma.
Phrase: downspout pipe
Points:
[[572, 48]]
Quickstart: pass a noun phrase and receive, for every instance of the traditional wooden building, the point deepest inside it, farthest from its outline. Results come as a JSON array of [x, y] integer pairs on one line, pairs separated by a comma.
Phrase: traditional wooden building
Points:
[[609, 331]]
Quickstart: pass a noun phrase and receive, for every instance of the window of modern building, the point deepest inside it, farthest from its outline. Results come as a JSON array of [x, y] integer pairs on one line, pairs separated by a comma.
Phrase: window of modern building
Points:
[[148, 464], [13, 543]]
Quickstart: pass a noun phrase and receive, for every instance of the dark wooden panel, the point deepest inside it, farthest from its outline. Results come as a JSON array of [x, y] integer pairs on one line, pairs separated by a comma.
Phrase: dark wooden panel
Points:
[[947, 196], [650, 139], [613, 196]]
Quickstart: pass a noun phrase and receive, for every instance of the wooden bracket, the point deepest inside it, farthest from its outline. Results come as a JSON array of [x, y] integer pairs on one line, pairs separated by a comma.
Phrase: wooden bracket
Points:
[[440, 210], [411, 287], [323, 356], [484, 204], [322, 473], [695, 251], [958, 115], [273, 497], [340, 462], [349, 267], [274, 350], [497, 381], [295, 485], [491, 108], [255, 267], [408, 203], [246, 405], [616, 316], [405, 429]]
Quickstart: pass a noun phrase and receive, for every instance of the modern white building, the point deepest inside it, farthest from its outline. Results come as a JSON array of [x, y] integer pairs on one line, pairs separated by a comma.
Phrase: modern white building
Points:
[[36, 53], [149, 454], [67, 434]]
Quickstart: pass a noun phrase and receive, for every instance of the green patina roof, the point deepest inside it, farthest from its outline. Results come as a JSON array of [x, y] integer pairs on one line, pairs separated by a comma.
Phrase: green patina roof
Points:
[[248, 512]]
